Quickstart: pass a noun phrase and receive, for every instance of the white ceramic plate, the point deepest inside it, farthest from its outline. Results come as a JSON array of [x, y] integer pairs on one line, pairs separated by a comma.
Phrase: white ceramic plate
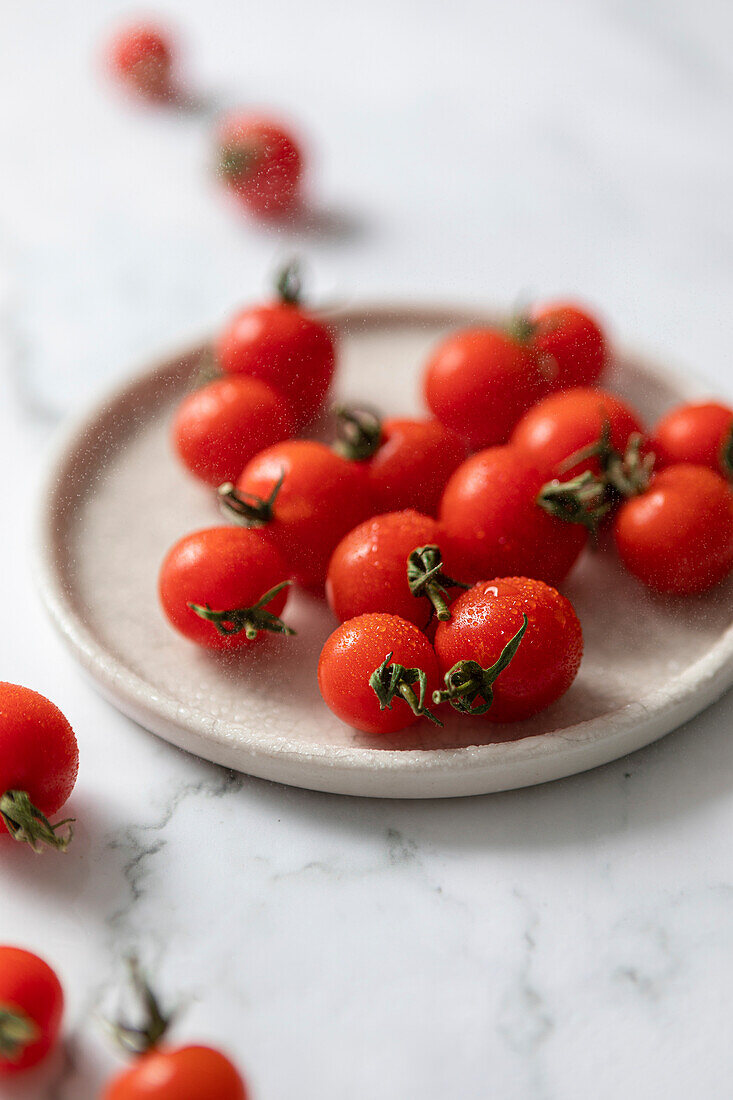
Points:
[[117, 499]]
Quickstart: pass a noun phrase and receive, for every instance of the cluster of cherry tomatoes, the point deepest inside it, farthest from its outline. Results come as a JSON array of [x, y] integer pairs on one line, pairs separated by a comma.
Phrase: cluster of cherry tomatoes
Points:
[[438, 542], [257, 158]]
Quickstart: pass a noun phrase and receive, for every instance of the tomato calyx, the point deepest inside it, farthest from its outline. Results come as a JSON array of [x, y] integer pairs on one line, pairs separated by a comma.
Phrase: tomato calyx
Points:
[[289, 283], [726, 455], [17, 1032], [251, 620], [236, 162], [358, 431], [582, 499], [467, 681], [27, 824], [247, 509], [155, 1023], [392, 679], [521, 328], [425, 577]]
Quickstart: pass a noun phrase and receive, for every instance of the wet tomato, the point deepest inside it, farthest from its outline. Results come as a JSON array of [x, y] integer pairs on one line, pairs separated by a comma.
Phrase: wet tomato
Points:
[[223, 586], [495, 526], [31, 1006], [520, 624], [479, 382], [570, 344], [283, 345], [377, 672], [677, 535], [141, 57], [701, 434], [306, 497], [392, 563], [261, 162], [39, 762], [220, 427], [566, 424], [184, 1073]]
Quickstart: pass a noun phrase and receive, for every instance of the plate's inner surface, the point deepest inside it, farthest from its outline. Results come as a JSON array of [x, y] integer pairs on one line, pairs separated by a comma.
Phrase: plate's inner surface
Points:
[[123, 500]]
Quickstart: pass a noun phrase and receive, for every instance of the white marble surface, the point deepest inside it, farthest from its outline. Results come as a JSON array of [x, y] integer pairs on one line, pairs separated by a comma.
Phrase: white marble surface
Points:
[[551, 944]]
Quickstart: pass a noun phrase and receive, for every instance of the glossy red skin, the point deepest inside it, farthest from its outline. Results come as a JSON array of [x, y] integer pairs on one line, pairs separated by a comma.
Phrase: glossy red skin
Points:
[[494, 525], [412, 464], [141, 56], [677, 537], [38, 749], [350, 656], [368, 569], [694, 433], [29, 985], [226, 568], [322, 497], [571, 344], [564, 423], [220, 427], [271, 186], [479, 382], [188, 1073], [488, 616], [285, 347]]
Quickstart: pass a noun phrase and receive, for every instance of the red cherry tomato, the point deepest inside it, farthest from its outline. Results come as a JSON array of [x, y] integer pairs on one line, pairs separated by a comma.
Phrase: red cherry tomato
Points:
[[700, 434], [320, 497], [31, 1005], [479, 382], [369, 569], [408, 461], [570, 343], [39, 762], [376, 644], [677, 537], [486, 618], [261, 162], [495, 526], [219, 428], [284, 346], [141, 56], [566, 423], [235, 581], [186, 1073]]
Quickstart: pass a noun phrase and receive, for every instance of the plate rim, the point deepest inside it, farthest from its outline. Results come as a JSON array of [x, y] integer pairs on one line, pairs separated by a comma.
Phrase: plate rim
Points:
[[476, 768]]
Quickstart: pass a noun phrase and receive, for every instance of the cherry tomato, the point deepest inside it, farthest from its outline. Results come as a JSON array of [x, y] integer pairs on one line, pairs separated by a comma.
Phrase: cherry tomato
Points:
[[186, 1073], [223, 586], [408, 461], [677, 537], [377, 673], [565, 424], [220, 427], [31, 1005], [495, 526], [479, 382], [484, 621], [141, 56], [369, 570], [570, 344], [261, 162], [285, 346], [700, 434], [39, 762], [307, 498]]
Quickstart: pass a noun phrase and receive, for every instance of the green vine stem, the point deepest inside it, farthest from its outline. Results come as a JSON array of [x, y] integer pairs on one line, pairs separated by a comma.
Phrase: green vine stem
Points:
[[247, 509], [251, 620], [154, 1024], [27, 824], [425, 577], [358, 432], [726, 455], [467, 681], [289, 283], [17, 1032], [392, 680]]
